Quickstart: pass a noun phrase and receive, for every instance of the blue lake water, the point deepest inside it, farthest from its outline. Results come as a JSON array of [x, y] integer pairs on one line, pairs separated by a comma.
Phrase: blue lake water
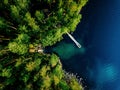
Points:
[[98, 61]]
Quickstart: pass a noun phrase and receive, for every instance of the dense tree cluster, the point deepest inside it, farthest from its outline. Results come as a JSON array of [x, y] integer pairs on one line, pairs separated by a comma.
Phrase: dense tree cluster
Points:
[[25, 25], [31, 72], [34, 72], [44, 21]]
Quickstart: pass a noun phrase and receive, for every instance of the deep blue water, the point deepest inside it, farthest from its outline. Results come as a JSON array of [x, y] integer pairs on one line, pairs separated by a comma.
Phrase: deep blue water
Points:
[[98, 61]]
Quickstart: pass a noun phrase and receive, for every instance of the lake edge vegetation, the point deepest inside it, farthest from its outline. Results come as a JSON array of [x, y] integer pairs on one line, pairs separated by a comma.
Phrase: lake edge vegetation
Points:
[[26, 27]]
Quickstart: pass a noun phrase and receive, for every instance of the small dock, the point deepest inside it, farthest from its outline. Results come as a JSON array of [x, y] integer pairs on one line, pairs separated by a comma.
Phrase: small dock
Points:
[[73, 39]]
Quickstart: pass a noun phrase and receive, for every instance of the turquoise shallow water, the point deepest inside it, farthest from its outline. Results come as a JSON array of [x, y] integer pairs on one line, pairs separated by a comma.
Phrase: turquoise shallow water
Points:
[[98, 61]]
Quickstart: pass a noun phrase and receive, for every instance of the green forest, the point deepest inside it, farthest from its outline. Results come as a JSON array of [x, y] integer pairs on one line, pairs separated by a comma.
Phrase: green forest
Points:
[[26, 28]]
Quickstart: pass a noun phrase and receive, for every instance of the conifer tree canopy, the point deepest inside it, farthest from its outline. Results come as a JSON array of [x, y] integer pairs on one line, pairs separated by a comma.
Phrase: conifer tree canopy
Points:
[[26, 26]]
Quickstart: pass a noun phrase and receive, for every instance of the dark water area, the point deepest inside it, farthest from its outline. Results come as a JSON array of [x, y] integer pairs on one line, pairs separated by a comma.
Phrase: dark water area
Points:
[[98, 61]]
